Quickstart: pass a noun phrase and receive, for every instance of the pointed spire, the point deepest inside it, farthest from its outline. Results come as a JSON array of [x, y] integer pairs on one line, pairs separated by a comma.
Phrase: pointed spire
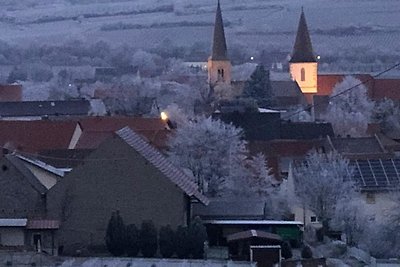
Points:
[[302, 51], [219, 50]]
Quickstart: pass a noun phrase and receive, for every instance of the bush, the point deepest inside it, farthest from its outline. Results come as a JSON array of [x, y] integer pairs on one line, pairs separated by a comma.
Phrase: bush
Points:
[[115, 235], [148, 239], [167, 241], [132, 240], [306, 252], [197, 237], [182, 242], [286, 250]]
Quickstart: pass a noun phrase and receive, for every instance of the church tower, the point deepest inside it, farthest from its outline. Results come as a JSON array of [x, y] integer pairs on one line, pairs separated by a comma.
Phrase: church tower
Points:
[[303, 64], [219, 65]]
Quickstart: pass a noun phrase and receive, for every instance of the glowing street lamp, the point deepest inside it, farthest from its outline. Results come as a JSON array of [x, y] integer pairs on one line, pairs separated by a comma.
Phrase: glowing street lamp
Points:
[[164, 116]]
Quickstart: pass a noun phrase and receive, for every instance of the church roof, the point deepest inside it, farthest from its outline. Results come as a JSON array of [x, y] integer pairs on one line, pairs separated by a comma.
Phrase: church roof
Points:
[[219, 50], [302, 51]]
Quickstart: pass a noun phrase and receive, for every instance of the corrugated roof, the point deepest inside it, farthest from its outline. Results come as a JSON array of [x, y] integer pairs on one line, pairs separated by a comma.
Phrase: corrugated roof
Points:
[[43, 224], [13, 222], [252, 233], [161, 163], [249, 222]]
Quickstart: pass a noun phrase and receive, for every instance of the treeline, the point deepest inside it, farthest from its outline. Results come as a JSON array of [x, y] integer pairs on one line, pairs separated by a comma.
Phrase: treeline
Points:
[[146, 241]]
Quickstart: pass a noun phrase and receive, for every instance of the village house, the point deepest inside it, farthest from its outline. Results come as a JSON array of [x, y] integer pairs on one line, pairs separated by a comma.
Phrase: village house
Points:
[[34, 136], [23, 223], [375, 171], [124, 173]]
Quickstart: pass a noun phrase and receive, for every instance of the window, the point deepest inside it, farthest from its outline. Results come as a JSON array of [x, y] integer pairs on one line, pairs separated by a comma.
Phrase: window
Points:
[[313, 219], [370, 198], [303, 74], [221, 74]]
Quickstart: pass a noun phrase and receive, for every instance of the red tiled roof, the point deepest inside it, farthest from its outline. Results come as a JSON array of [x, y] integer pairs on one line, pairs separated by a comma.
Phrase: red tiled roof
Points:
[[33, 136], [97, 129], [114, 123], [161, 163], [377, 88], [10, 92], [43, 224], [389, 88], [326, 82]]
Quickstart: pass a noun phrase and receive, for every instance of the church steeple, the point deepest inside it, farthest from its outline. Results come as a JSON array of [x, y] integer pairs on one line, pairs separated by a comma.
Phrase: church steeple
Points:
[[219, 65], [303, 64], [302, 51], [219, 50]]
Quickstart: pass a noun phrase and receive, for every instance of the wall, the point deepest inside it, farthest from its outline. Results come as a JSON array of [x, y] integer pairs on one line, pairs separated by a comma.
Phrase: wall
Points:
[[18, 199], [85, 199], [12, 236], [379, 209], [213, 66], [20, 259], [310, 83]]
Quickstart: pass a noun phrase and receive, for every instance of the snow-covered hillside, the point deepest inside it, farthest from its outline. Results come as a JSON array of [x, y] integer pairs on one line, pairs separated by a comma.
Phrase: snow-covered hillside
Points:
[[335, 25]]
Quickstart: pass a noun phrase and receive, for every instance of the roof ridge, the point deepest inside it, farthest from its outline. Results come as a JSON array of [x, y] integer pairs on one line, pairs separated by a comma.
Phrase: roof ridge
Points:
[[158, 160]]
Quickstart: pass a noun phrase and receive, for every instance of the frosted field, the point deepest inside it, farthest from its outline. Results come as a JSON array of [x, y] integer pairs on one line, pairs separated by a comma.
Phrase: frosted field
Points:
[[334, 24]]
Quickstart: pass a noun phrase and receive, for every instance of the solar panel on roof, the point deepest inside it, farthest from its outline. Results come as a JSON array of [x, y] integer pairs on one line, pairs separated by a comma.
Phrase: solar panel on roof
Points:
[[367, 173], [391, 171]]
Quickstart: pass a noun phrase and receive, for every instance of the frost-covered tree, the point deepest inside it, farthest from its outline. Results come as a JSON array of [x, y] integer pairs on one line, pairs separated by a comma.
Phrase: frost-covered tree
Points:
[[387, 113], [147, 63], [351, 111], [213, 152], [350, 219], [382, 239], [260, 178], [322, 182]]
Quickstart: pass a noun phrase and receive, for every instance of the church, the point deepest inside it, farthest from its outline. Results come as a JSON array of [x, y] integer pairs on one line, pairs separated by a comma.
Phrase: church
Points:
[[306, 85]]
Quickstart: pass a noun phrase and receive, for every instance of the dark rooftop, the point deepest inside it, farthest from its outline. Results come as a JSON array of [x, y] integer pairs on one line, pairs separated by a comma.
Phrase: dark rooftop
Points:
[[219, 50], [44, 108], [302, 51]]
